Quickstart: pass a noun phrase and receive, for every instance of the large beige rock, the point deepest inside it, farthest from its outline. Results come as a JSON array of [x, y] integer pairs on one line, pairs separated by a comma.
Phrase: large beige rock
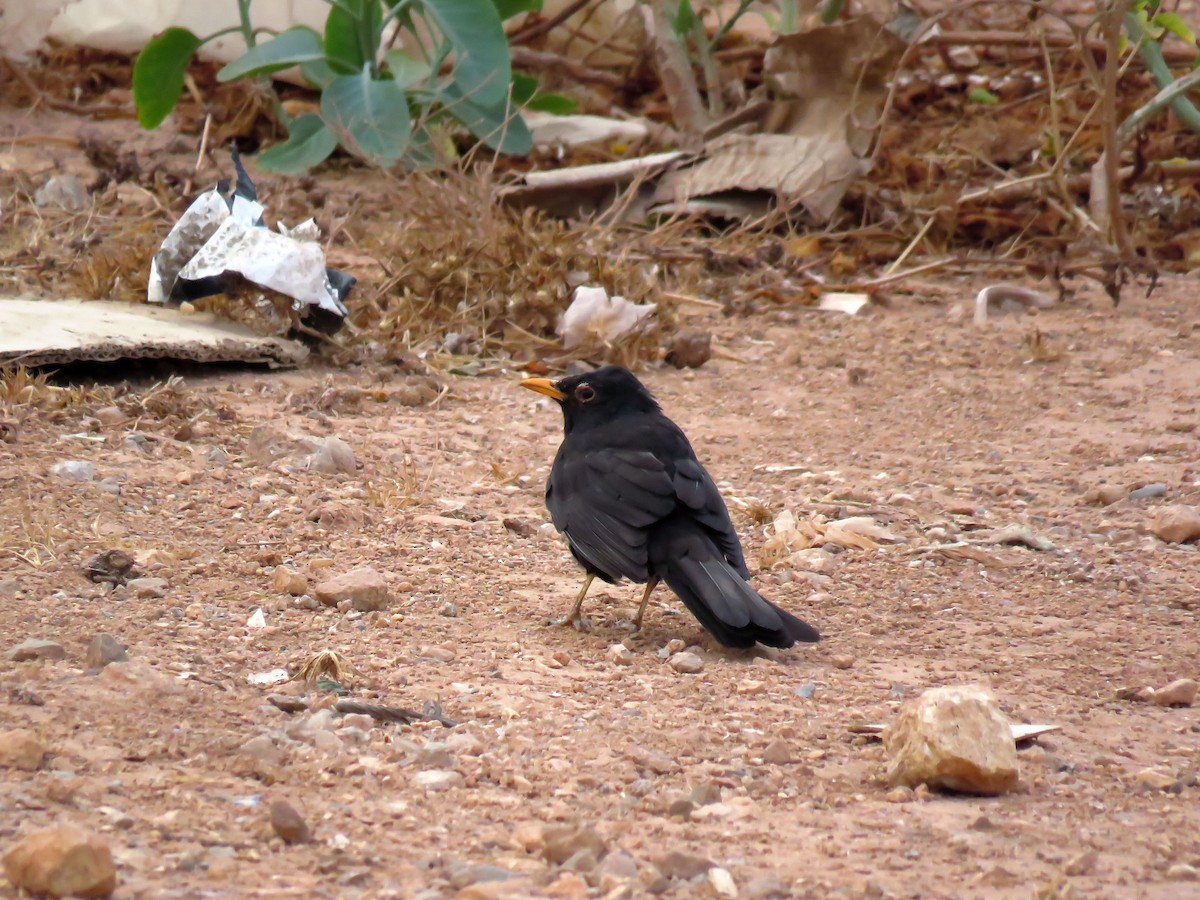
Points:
[[954, 738], [1177, 524], [62, 861], [21, 749], [364, 588]]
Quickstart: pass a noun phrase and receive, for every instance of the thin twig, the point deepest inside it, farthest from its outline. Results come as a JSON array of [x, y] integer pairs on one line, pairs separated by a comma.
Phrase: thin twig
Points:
[[525, 35]]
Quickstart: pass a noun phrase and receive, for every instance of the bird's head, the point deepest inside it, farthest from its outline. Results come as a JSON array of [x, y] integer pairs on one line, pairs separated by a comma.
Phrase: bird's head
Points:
[[595, 398]]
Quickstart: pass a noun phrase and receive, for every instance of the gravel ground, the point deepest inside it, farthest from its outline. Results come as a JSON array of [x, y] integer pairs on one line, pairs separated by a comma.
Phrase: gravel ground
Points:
[[578, 768]]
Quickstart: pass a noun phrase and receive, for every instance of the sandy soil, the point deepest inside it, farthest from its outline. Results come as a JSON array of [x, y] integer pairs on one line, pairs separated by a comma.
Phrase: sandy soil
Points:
[[914, 416]]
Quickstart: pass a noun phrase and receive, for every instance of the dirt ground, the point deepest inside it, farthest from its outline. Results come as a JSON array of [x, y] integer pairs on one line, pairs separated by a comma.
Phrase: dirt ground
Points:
[[935, 427]]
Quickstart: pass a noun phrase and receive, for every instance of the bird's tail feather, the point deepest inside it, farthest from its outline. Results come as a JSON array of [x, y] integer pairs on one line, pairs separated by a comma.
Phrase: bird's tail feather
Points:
[[732, 611]]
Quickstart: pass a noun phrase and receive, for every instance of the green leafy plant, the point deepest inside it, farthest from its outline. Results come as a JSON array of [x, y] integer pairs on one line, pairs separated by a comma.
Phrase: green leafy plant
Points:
[[379, 101], [1148, 25]]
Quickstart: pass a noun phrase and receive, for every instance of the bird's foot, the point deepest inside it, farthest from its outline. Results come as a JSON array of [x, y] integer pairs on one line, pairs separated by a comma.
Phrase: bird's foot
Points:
[[576, 621], [630, 625]]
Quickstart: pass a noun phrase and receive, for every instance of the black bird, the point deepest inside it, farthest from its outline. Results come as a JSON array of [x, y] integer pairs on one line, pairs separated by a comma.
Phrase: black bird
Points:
[[633, 501]]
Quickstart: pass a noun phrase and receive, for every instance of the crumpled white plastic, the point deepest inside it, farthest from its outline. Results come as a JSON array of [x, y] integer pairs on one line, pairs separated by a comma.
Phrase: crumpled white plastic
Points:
[[593, 315]]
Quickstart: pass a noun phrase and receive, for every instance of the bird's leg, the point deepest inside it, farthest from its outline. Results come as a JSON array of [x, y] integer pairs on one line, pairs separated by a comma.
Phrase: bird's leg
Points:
[[575, 619], [650, 586]]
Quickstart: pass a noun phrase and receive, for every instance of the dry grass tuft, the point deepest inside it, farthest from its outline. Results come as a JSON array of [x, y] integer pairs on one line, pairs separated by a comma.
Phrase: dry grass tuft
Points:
[[470, 277], [325, 664]]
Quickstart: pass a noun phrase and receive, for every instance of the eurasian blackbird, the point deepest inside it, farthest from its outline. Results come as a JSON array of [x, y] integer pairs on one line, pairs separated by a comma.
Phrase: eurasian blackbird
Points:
[[633, 501]]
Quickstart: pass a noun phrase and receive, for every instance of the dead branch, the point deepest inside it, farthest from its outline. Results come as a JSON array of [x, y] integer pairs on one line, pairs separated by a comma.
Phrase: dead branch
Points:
[[544, 59]]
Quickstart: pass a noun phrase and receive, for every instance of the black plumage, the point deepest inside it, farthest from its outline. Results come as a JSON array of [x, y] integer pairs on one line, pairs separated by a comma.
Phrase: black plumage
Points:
[[632, 500]]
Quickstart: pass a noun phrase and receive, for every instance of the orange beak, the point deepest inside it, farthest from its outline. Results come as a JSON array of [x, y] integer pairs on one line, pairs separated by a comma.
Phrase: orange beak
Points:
[[544, 386]]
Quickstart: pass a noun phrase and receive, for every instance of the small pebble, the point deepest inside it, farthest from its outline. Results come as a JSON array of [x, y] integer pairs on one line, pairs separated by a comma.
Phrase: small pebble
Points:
[[289, 824], [686, 663], [104, 649], [1148, 492], [1183, 872], [842, 661], [1181, 692], [620, 655], [34, 648]]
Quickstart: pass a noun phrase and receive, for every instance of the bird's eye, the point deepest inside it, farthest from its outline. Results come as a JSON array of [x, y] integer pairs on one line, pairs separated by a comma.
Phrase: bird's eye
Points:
[[585, 394]]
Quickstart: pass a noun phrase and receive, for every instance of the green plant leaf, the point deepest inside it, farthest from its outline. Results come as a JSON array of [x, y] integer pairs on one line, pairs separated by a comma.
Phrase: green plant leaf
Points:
[[982, 96], [499, 127], [482, 69], [369, 115], [525, 95], [555, 104], [509, 8], [288, 48], [524, 86], [158, 74], [318, 73], [352, 34], [309, 143], [685, 18], [1173, 22], [406, 69]]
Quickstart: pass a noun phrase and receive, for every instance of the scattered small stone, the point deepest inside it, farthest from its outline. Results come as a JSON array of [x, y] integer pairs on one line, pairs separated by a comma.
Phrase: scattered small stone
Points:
[[1020, 534], [842, 661], [148, 587], [1148, 492], [690, 349], [1083, 864], [462, 875], [706, 794], [1183, 872], [900, 795], [289, 581], [137, 676], [806, 691], [464, 743], [364, 588], [333, 456], [616, 869], [686, 663], [62, 861], [1105, 495], [955, 738], [722, 882], [750, 687], [1181, 692], [103, 649], [530, 836], [620, 655], [1176, 524], [674, 645], [520, 527], [441, 654], [449, 609], [562, 841], [778, 753], [678, 864], [435, 780], [289, 824], [74, 470], [258, 619], [768, 886], [35, 648], [21, 749], [1155, 778]]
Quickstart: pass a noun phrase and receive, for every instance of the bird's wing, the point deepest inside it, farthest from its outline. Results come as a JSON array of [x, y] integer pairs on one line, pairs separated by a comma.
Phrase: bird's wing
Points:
[[603, 500], [698, 492]]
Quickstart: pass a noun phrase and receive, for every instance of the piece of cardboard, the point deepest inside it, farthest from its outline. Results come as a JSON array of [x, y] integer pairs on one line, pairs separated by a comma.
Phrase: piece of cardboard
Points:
[[54, 332]]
